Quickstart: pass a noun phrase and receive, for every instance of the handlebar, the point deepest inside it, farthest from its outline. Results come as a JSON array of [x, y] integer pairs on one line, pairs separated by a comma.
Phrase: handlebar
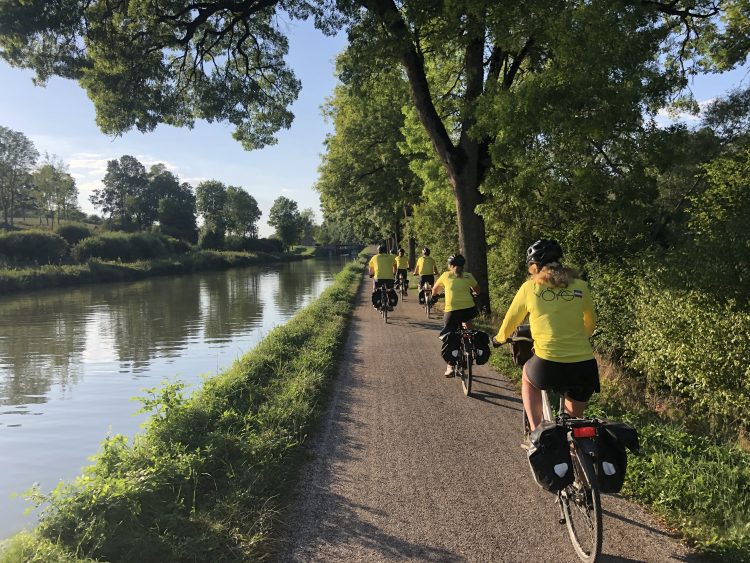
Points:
[[497, 344]]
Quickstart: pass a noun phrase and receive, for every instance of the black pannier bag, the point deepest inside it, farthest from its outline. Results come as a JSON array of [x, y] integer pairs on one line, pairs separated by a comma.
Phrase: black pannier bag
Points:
[[549, 457], [451, 347], [521, 351], [421, 297], [481, 347], [393, 297], [612, 459], [376, 298]]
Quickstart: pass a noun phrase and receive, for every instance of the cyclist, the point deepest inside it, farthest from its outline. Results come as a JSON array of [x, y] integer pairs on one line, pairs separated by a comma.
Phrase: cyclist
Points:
[[402, 269], [561, 314], [459, 287], [382, 267], [426, 270]]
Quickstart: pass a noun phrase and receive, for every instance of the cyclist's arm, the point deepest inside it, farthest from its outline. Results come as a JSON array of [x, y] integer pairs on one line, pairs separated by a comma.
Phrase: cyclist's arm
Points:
[[371, 267], [589, 314], [475, 288], [516, 314]]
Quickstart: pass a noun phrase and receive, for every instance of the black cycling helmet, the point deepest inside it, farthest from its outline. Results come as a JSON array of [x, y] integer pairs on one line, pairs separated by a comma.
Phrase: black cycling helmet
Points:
[[382, 249], [456, 260], [426, 251], [543, 252]]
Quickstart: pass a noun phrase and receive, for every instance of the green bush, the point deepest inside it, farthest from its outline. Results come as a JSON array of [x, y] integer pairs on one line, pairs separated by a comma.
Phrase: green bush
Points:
[[29, 247], [128, 247], [694, 346], [73, 233]]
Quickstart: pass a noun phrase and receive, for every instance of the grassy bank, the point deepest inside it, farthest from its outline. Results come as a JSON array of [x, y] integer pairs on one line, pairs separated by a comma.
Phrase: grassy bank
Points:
[[698, 484], [206, 478], [98, 271]]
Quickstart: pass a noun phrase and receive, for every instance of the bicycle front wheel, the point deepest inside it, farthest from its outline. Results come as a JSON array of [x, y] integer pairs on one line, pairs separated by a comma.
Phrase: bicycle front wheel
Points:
[[582, 509]]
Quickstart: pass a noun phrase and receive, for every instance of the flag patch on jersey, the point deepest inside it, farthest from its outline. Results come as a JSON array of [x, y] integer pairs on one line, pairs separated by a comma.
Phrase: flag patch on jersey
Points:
[[578, 293]]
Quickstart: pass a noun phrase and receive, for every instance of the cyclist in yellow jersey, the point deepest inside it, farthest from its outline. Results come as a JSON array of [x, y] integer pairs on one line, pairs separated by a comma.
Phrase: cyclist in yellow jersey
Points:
[[382, 268], [426, 269], [402, 269], [561, 314], [460, 288]]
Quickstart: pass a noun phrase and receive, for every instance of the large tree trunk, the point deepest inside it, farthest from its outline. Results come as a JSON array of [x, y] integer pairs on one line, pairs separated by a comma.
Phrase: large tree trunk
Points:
[[471, 231]]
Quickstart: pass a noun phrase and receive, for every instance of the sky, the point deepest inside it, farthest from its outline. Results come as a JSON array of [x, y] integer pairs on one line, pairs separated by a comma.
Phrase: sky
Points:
[[59, 119]]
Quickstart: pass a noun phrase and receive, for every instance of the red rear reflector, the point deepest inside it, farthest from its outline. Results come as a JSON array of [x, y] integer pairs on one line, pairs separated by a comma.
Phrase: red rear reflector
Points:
[[584, 432]]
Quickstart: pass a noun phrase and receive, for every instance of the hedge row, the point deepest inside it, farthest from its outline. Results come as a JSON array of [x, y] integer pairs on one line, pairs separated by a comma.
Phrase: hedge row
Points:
[[689, 345], [128, 247], [32, 247], [206, 478], [95, 270]]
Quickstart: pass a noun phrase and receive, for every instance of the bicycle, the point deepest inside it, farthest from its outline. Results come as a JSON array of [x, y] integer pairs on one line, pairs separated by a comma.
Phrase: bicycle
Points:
[[385, 303], [580, 502], [427, 294], [463, 367], [403, 284]]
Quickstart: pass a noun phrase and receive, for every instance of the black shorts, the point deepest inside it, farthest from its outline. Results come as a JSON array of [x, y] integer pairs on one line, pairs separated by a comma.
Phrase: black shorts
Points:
[[387, 283], [452, 319], [402, 273], [576, 380], [426, 279]]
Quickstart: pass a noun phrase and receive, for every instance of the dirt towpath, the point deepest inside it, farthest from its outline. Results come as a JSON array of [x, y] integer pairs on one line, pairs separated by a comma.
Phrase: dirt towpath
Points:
[[405, 467]]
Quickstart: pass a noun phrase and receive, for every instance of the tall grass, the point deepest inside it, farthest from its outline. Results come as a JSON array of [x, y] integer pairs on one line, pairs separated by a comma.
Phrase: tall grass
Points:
[[207, 477]]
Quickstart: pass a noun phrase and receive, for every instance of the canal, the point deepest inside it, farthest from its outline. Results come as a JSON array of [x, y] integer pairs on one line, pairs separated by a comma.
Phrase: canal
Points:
[[72, 360]]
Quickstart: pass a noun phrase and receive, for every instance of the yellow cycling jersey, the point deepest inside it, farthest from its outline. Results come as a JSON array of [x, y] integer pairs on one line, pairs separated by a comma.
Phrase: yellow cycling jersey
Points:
[[425, 266], [382, 264], [457, 290], [402, 262], [561, 319]]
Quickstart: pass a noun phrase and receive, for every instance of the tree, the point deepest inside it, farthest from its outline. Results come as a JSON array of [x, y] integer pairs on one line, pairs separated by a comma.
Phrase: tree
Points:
[[210, 202], [176, 203], [365, 180], [144, 63], [54, 190], [285, 218], [307, 226], [17, 157], [125, 196], [241, 212]]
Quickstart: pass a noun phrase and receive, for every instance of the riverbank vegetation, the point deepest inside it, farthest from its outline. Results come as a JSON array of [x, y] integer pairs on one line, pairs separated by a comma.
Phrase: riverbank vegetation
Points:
[[207, 478], [97, 271]]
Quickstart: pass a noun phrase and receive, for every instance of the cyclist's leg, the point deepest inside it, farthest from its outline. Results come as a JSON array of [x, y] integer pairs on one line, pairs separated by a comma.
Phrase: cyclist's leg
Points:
[[581, 380], [575, 408], [532, 401], [538, 375]]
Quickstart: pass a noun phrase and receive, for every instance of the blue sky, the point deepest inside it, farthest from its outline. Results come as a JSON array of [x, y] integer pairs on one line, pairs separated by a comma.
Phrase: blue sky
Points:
[[59, 119]]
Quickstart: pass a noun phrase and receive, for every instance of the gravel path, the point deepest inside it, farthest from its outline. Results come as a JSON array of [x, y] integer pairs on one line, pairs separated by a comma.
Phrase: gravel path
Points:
[[405, 467]]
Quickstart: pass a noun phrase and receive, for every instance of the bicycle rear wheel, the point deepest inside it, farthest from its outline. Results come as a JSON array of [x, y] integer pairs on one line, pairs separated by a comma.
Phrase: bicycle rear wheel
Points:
[[466, 375], [582, 509]]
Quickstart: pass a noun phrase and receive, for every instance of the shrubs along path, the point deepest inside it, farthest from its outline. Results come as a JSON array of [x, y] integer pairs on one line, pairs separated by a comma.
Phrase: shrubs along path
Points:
[[205, 480]]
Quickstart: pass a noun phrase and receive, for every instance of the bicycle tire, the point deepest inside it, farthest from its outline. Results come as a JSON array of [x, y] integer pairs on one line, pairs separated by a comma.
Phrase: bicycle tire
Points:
[[466, 379], [582, 509], [385, 314]]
